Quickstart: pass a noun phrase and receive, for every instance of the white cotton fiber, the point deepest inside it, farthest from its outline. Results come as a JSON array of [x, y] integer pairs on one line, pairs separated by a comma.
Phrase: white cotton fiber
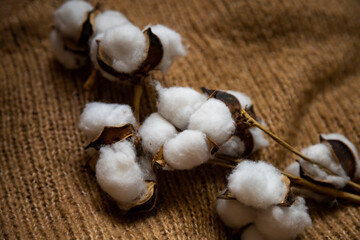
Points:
[[234, 214], [70, 16], [176, 104], [109, 19], [214, 119], [145, 165], [293, 169], [251, 233], [172, 45], [187, 150], [234, 147], [97, 115], [126, 45], [118, 174], [321, 154], [343, 139], [244, 100], [257, 184], [280, 223], [259, 139], [154, 132], [65, 57]]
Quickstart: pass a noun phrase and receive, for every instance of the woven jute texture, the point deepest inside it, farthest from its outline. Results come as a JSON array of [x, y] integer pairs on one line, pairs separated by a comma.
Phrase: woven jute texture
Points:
[[298, 60]]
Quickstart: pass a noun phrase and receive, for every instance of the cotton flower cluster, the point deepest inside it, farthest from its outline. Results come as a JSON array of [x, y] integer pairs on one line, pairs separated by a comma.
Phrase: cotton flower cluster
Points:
[[189, 123], [120, 171], [335, 153], [258, 188], [117, 48]]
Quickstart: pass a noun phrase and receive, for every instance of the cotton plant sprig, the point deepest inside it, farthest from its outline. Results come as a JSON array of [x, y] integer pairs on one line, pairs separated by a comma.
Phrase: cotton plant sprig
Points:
[[191, 128], [247, 119], [259, 204], [118, 49]]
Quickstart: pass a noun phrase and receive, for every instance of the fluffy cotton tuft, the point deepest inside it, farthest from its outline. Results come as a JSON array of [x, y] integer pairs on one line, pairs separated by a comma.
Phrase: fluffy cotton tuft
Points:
[[126, 45], [70, 16], [259, 139], [172, 45], [97, 115], [244, 100], [284, 222], [66, 58], [251, 233], [257, 184], [342, 138], [214, 119], [154, 132], [234, 214], [187, 150], [145, 165], [293, 169], [109, 19], [234, 147], [176, 104], [321, 154], [118, 174]]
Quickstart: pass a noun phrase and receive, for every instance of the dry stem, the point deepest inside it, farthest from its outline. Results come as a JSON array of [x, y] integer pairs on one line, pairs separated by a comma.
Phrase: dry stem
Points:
[[89, 84]]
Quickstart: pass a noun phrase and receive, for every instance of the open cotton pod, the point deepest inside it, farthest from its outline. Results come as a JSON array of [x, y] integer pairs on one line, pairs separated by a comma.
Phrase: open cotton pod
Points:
[[177, 104], [73, 27], [245, 140], [125, 52], [120, 175]]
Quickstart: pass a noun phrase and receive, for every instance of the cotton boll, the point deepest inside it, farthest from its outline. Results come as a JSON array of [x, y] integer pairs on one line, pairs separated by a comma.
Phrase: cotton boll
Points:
[[176, 104], [259, 139], [109, 19], [97, 115], [154, 132], [172, 45], [66, 58], [284, 222], [70, 16], [257, 184], [234, 214], [321, 154], [126, 45], [234, 147], [214, 119], [118, 174], [251, 233], [187, 150], [244, 100], [343, 139]]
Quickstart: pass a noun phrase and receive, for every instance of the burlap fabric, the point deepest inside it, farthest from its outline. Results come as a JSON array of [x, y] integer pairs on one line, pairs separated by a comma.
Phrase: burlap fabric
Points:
[[298, 60]]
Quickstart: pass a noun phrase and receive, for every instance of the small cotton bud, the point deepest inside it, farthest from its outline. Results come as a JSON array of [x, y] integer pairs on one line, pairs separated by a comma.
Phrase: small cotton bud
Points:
[[154, 132], [176, 104], [234, 147], [126, 45], [187, 150], [97, 115], [257, 184], [214, 119], [251, 233], [70, 16], [65, 57], [118, 174], [282, 223], [234, 214], [321, 154], [172, 45], [109, 19]]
